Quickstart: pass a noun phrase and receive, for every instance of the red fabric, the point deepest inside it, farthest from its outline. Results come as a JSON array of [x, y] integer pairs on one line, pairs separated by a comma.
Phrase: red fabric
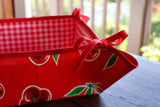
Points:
[[114, 40], [35, 34], [48, 58], [85, 18]]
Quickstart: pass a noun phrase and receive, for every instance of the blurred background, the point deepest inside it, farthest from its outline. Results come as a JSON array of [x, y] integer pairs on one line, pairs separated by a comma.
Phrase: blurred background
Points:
[[140, 18]]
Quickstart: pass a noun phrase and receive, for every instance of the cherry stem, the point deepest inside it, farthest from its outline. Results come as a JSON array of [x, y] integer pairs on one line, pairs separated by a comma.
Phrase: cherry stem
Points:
[[33, 100]]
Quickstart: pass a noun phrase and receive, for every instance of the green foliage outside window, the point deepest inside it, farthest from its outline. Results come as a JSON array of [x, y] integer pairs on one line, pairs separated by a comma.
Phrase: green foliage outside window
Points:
[[152, 50]]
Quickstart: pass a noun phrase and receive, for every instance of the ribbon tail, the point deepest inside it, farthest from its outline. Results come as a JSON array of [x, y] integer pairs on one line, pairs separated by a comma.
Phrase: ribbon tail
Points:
[[117, 38], [84, 54]]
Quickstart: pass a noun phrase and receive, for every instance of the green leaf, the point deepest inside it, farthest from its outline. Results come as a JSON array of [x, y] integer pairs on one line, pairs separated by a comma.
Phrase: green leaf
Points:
[[112, 61], [98, 88], [89, 91], [55, 57], [76, 91], [94, 90]]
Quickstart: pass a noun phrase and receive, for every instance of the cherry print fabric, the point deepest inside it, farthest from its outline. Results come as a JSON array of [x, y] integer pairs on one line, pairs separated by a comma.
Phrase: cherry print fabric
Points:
[[55, 57]]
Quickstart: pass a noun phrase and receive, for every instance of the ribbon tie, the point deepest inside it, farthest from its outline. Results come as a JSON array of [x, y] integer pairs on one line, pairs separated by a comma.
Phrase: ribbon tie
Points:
[[85, 45]]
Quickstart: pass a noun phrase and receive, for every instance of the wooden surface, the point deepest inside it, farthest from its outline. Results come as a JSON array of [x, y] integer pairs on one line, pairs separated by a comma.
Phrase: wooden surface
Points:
[[1, 9], [19, 8], [139, 88], [136, 26], [118, 11], [8, 11], [104, 20]]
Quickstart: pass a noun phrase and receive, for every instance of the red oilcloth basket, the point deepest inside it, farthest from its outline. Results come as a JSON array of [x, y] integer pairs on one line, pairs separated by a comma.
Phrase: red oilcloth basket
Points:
[[48, 58]]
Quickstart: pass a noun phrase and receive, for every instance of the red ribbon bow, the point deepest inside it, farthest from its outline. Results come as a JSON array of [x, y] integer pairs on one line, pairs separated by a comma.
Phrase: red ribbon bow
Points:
[[84, 49]]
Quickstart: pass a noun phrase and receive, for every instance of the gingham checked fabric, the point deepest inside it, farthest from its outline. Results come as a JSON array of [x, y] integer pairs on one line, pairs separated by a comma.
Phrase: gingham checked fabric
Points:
[[82, 30], [36, 34]]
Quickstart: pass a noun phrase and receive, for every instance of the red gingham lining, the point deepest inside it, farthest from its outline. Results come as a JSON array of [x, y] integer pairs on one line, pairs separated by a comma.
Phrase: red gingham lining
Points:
[[42, 34], [82, 30], [36, 34]]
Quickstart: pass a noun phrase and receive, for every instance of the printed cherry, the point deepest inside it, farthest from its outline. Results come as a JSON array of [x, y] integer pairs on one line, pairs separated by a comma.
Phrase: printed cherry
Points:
[[34, 94], [2, 91], [93, 55], [39, 60], [45, 96]]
